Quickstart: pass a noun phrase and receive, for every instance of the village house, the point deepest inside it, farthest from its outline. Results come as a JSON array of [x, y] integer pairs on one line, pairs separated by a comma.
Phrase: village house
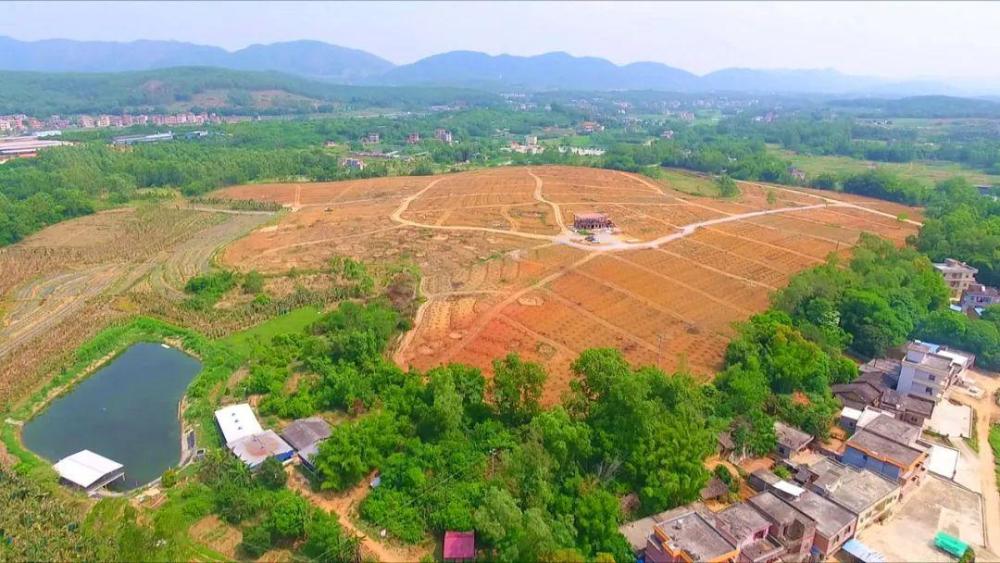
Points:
[[978, 297], [591, 221], [876, 387], [790, 440], [834, 525], [748, 530], [890, 448], [413, 138], [305, 435], [371, 139], [688, 537], [443, 135], [958, 275], [247, 440], [928, 370], [714, 489], [458, 546], [865, 494], [353, 163], [789, 527]]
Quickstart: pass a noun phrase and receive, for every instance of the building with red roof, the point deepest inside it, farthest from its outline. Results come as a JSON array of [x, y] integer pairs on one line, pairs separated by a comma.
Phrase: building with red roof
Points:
[[459, 546]]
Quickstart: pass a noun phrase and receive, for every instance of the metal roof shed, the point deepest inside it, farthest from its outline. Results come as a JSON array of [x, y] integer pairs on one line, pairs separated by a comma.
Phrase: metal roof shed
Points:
[[88, 470], [862, 552], [237, 422]]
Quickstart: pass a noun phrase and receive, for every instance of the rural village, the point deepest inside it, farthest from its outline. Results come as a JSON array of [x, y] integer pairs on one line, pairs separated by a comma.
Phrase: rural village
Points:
[[294, 302]]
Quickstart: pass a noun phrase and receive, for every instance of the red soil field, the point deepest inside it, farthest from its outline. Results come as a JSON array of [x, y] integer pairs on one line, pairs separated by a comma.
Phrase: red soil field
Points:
[[500, 274]]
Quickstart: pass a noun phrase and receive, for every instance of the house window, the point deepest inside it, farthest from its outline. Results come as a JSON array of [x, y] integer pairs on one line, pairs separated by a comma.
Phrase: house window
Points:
[[929, 391], [930, 377]]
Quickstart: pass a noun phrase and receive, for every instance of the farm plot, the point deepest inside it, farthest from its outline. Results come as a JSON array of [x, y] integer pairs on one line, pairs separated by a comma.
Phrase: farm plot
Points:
[[74, 278], [498, 276]]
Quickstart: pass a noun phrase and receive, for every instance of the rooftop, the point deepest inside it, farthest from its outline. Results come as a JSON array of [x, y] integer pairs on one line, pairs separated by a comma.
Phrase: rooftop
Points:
[[637, 531], [951, 265], [740, 521], [591, 216], [693, 534], [237, 422], [459, 545], [715, 488], [893, 429], [253, 450], [790, 437], [306, 432], [778, 510], [829, 517], [851, 488], [764, 549], [84, 468], [884, 449]]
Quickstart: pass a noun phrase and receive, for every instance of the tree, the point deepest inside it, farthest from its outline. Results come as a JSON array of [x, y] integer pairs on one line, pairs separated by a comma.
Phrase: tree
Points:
[[256, 540], [517, 388], [326, 541], [271, 474], [287, 516], [727, 186], [253, 282]]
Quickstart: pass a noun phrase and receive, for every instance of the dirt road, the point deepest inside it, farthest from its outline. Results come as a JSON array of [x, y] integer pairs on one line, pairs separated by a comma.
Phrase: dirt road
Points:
[[987, 413], [344, 504]]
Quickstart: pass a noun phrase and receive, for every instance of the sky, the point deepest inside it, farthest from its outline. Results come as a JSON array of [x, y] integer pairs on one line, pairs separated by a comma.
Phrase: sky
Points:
[[887, 39]]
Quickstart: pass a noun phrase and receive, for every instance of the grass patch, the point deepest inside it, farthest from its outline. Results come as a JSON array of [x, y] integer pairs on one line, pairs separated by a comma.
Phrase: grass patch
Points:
[[930, 172], [293, 321], [690, 183], [973, 439], [994, 440]]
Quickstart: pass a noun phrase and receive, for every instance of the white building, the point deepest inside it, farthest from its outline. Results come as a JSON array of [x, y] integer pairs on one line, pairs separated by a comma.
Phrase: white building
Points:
[[246, 439], [927, 370], [88, 470], [237, 422]]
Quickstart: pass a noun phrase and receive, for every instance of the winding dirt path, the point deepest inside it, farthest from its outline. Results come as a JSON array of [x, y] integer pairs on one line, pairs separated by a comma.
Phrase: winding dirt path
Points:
[[342, 504]]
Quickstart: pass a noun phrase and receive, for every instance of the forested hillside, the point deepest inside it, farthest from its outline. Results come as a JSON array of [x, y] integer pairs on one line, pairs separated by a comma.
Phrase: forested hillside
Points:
[[207, 89]]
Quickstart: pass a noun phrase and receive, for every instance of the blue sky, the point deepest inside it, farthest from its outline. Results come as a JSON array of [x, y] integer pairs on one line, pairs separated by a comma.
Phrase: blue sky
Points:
[[897, 40]]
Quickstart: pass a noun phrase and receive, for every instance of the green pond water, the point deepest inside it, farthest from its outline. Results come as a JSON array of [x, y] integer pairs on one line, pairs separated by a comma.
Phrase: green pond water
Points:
[[126, 411]]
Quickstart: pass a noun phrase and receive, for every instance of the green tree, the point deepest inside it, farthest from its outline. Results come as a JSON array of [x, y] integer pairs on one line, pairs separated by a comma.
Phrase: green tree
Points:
[[727, 186], [517, 388], [271, 474]]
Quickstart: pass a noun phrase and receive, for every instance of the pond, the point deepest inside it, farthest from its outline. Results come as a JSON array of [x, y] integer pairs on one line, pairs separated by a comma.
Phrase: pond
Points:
[[126, 411]]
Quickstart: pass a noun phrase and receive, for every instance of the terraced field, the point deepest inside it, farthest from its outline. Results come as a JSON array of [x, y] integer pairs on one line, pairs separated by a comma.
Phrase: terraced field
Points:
[[62, 285], [503, 272]]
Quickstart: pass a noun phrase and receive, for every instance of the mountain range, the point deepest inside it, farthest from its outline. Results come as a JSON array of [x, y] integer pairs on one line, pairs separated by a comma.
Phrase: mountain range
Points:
[[467, 69]]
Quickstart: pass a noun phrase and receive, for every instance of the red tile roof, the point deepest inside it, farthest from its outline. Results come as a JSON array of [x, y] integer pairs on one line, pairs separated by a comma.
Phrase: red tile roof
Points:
[[459, 545]]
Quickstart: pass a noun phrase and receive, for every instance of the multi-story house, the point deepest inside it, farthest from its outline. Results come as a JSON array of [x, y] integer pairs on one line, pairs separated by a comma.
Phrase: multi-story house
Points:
[[958, 275]]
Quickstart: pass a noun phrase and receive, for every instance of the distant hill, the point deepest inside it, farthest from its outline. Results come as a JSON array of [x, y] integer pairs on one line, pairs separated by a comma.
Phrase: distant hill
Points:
[[561, 71], [306, 58], [465, 69], [210, 89], [551, 71]]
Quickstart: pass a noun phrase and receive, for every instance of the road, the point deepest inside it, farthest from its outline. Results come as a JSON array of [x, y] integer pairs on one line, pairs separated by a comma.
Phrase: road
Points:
[[987, 412], [342, 504], [566, 236]]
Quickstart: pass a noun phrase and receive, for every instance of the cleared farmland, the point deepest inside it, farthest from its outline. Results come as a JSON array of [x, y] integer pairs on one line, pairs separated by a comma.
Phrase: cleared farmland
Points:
[[65, 283], [502, 273]]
